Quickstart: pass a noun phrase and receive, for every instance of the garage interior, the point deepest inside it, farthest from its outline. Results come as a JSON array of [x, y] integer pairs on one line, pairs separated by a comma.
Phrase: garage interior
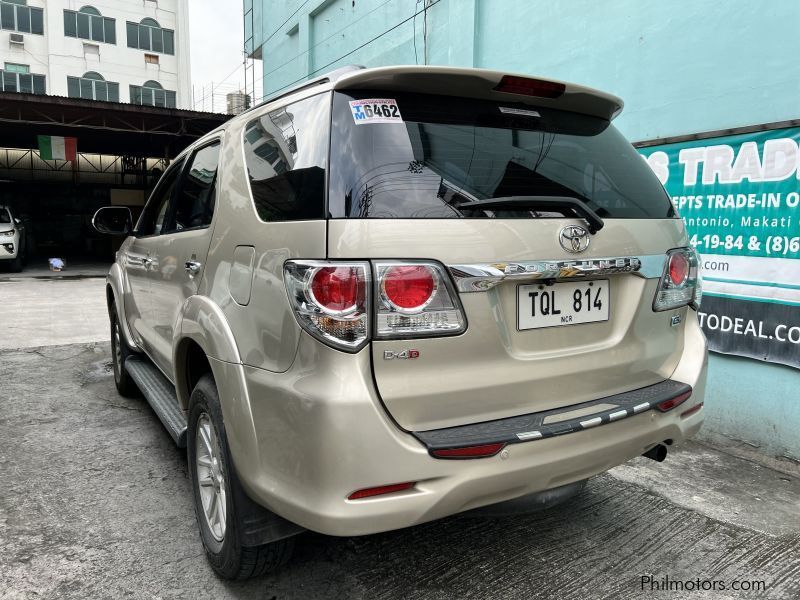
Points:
[[122, 151]]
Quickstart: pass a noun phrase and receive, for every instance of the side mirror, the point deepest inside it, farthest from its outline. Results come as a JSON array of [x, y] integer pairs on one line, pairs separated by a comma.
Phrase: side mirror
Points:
[[113, 220], [17, 221]]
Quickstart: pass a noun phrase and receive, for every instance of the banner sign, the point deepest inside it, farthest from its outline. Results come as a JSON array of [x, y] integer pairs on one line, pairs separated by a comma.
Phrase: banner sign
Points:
[[739, 196]]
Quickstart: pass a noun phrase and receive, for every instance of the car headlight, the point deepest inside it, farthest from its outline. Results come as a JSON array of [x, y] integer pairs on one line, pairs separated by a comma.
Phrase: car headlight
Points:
[[7, 233]]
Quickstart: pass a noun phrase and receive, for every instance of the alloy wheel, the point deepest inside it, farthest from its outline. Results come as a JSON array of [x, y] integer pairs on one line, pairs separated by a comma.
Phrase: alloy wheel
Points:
[[210, 476]]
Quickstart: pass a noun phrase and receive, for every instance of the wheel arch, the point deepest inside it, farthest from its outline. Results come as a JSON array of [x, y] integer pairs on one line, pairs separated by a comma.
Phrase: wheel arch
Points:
[[190, 363], [115, 298], [203, 335]]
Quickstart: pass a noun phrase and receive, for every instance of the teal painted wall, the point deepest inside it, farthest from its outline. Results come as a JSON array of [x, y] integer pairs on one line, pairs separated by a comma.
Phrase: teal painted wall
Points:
[[681, 66], [755, 402]]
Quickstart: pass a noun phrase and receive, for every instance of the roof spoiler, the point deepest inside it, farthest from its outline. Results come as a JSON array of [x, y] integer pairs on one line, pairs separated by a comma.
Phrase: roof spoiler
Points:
[[483, 84], [310, 83]]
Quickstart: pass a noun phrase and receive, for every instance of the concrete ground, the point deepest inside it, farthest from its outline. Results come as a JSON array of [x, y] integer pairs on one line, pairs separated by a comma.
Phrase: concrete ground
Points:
[[96, 503], [39, 312]]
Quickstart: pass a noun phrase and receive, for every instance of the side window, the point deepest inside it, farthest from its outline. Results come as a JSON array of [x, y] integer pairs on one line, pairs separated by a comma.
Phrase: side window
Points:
[[154, 215], [286, 153], [194, 204]]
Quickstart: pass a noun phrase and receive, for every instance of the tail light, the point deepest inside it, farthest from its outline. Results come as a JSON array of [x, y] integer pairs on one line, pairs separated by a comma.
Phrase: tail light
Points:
[[415, 299], [331, 301], [680, 283]]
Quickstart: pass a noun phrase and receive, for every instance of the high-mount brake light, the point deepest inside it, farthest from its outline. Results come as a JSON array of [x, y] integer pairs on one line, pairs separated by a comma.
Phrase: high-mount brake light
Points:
[[680, 282], [415, 299], [526, 86]]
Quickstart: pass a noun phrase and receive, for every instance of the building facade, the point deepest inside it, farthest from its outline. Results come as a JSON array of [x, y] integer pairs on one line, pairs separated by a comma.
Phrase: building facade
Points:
[[237, 102], [682, 67], [130, 51]]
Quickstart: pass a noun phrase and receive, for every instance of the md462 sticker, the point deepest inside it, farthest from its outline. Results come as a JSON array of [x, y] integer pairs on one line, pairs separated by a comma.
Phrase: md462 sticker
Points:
[[375, 110]]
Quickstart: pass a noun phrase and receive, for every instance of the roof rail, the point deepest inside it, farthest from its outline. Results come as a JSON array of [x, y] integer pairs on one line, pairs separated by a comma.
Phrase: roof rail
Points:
[[322, 79]]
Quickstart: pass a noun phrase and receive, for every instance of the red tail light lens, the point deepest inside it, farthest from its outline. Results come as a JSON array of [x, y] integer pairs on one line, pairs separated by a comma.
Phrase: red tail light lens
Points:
[[678, 268], [415, 298], [673, 402], [680, 282], [335, 289], [380, 490], [512, 84], [469, 451], [408, 287], [330, 300]]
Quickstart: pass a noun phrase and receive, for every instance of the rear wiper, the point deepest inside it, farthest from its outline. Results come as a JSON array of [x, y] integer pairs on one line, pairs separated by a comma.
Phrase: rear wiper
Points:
[[538, 203]]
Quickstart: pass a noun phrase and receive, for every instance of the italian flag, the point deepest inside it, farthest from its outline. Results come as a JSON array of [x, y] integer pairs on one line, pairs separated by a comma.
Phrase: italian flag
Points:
[[58, 148]]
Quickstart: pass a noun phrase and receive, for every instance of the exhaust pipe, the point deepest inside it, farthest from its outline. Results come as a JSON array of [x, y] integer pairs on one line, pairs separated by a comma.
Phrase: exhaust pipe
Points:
[[658, 453]]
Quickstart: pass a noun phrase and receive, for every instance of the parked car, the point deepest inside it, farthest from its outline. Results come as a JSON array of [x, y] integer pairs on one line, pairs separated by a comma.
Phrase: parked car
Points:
[[13, 246], [392, 295]]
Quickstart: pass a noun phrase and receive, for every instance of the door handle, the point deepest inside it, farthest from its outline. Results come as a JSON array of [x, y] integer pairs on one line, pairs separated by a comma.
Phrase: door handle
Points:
[[147, 262], [192, 267]]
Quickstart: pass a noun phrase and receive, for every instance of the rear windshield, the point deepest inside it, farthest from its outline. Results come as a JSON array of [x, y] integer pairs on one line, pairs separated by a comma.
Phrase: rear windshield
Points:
[[4, 216], [426, 156]]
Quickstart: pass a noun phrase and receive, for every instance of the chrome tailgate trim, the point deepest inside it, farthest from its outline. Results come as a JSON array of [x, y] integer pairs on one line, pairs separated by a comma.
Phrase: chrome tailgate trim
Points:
[[480, 277]]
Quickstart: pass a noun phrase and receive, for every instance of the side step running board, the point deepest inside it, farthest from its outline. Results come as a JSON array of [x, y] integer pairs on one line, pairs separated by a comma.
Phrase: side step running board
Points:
[[160, 394]]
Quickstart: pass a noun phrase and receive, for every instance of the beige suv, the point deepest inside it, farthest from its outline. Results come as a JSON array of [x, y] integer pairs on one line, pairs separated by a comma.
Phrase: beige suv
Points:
[[392, 295]]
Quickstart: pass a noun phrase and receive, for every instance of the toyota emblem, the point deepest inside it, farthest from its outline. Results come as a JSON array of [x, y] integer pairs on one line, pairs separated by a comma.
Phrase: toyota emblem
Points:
[[574, 238]]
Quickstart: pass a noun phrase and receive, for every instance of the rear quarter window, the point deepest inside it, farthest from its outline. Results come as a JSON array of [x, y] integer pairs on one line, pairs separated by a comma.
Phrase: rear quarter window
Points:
[[285, 153]]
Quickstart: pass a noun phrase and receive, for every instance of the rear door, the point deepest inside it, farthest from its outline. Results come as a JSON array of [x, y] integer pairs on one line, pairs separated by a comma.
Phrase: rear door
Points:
[[180, 255], [536, 339]]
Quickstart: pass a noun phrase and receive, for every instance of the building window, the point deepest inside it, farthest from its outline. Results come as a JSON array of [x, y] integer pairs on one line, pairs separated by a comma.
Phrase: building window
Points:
[[15, 68], [89, 24], [151, 59], [92, 86], [16, 16], [25, 83], [149, 35], [152, 94]]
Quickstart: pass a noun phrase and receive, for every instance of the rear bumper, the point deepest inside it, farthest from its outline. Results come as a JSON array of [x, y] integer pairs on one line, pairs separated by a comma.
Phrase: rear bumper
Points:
[[304, 440]]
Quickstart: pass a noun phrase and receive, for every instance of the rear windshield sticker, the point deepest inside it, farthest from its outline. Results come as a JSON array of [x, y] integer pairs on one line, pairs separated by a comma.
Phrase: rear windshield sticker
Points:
[[375, 110], [519, 111]]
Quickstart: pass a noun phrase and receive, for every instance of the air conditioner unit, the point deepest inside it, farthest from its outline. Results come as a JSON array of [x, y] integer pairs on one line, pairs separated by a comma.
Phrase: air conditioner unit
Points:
[[16, 39]]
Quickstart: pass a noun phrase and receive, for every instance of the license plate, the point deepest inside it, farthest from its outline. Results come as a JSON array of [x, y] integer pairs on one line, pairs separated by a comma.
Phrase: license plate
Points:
[[569, 303]]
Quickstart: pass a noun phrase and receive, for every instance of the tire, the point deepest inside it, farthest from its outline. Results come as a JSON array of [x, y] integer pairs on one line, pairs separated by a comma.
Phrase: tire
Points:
[[206, 440], [16, 264], [119, 354]]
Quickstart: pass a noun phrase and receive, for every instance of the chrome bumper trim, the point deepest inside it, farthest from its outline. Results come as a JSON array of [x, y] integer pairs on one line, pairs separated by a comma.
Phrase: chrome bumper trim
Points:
[[480, 277]]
